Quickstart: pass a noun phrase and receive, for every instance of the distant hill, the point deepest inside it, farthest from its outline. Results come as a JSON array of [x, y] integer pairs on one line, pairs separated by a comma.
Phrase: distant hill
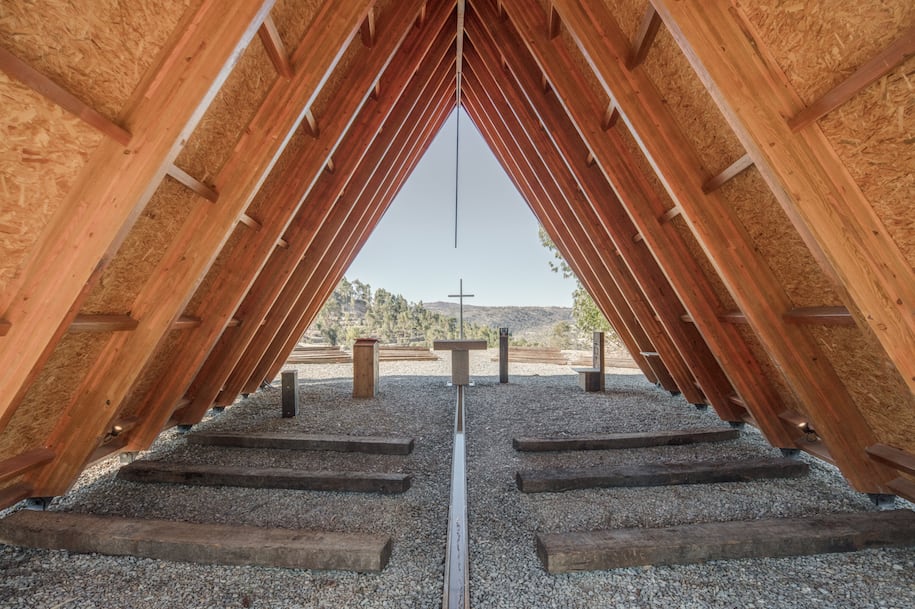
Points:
[[530, 323]]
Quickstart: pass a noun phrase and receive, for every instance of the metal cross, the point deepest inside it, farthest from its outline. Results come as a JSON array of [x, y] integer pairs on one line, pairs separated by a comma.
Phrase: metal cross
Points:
[[462, 296]]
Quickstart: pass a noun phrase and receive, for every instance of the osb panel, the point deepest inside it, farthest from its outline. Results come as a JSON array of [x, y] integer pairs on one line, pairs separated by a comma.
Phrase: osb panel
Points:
[[97, 50], [628, 15], [691, 106], [216, 272], [874, 136], [142, 250], [157, 366], [874, 383], [664, 202], [698, 254], [215, 137], [292, 18], [778, 244], [324, 103], [299, 142], [36, 417], [819, 43], [770, 371], [42, 150]]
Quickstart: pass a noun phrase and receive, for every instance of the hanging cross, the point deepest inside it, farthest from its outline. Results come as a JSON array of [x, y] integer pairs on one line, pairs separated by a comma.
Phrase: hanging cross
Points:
[[462, 296]]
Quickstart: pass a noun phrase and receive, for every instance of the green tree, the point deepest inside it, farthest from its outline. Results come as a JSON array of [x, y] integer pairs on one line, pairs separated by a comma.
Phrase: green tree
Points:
[[588, 317]]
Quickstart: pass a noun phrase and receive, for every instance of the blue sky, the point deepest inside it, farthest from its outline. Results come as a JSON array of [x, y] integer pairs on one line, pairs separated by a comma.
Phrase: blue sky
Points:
[[499, 255]]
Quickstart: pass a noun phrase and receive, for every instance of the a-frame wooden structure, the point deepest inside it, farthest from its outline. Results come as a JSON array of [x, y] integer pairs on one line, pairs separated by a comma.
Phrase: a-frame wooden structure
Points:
[[183, 183]]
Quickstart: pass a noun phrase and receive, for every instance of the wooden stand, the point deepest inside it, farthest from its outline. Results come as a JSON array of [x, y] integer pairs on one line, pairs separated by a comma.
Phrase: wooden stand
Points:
[[597, 357], [460, 357], [503, 355], [365, 368]]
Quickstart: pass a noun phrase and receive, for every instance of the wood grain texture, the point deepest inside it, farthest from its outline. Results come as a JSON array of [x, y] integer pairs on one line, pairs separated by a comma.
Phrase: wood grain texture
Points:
[[216, 475], [376, 445], [696, 543], [624, 440], [225, 544], [658, 474]]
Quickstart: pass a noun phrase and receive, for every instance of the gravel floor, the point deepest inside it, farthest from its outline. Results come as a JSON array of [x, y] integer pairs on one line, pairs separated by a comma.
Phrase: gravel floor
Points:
[[415, 401]]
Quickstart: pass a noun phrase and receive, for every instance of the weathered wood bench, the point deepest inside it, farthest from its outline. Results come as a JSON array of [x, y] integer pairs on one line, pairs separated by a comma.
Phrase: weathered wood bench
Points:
[[625, 440], [227, 544], [692, 543], [589, 378], [378, 445], [658, 474], [216, 475]]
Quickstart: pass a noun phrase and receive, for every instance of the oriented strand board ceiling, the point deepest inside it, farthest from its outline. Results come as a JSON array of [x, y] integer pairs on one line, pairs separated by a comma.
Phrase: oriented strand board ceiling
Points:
[[183, 184]]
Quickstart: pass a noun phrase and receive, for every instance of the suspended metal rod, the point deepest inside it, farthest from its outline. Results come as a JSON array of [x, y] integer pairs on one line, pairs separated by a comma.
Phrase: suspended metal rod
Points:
[[457, 102]]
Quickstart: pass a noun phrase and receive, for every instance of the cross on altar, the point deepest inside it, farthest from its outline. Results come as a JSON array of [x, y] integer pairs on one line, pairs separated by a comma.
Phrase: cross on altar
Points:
[[462, 296]]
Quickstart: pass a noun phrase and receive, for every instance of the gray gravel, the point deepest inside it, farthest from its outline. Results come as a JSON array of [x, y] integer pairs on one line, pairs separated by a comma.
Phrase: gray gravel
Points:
[[415, 401]]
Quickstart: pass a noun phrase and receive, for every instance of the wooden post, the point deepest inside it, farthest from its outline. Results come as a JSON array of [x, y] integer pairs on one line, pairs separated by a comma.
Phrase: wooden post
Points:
[[503, 355], [365, 368], [597, 356], [290, 384]]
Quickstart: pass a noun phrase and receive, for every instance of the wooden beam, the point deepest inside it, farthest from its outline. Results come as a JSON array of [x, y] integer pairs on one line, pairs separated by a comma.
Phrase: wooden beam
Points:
[[727, 174], [44, 86], [894, 457], [669, 215], [265, 477], [815, 189], [823, 316], [586, 227], [625, 441], [311, 124], [756, 290], [658, 474], [24, 462], [250, 222], [228, 544], [692, 543], [15, 493], [4, 327], [384, 182], [733, 317], [611, 117], [555, 25], [276, 51], [644, 38], [192, 183], [884, 62], [612, 216], [114, 187], [374, 445], [185, 322], [280, 284], [196, 244], [585, 259], [312, 194], [367, 30], [292, 319], [103, 323]]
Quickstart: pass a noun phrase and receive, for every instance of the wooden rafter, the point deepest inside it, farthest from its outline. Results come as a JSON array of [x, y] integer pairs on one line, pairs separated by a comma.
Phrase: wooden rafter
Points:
[[823, 202], [197, 243], [644, 205], [347, 132], [276, 51], [674, 339], [612, 217], [49, 89], [755, 289], [884, 62], [249, 352], [367, 30], [332, 264], [113, 187], [192, 183], [727, 174], [648, 30]]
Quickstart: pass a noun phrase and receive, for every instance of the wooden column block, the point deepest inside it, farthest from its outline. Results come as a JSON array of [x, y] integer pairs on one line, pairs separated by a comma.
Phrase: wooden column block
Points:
[[597, 356], [365, 368], [503, 355], [290, 384]]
